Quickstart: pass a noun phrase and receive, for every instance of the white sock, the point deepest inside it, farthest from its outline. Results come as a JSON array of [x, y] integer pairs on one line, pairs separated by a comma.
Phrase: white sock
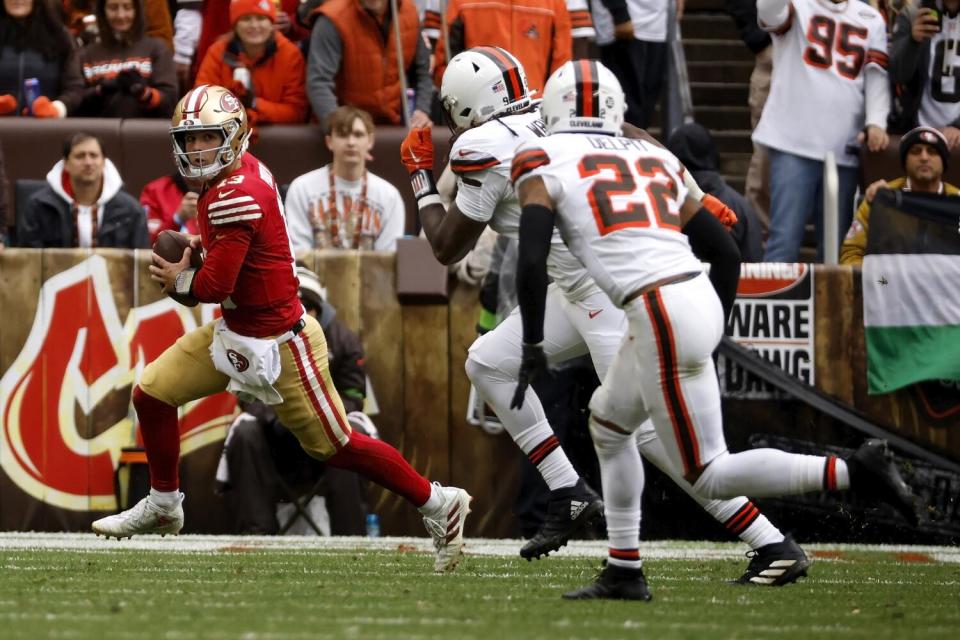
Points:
[[434, 504], [165, 499], [743, 519], [497, 388], [545, 453], [621, 473], [738, 515], [767, 473]]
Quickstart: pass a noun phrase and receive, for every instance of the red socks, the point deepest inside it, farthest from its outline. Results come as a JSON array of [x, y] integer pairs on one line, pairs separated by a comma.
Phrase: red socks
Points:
[[161, 439], [378, 461]]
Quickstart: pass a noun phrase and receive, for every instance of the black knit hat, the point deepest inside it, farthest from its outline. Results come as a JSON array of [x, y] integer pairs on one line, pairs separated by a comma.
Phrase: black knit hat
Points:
[[924, 135]]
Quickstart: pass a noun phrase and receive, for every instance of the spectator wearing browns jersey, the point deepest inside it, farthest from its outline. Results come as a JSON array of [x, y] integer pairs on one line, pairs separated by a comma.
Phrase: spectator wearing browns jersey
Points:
[[925, 67], [83, 203], [128, 74], [829, 90], [261, 66]]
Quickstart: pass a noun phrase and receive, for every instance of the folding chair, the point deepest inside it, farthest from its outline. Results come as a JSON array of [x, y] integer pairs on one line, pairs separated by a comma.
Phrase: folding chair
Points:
[[300, 500]]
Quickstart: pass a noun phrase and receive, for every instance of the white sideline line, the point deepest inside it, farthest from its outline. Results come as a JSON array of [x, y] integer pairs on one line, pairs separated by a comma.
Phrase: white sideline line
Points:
[[668, 549]]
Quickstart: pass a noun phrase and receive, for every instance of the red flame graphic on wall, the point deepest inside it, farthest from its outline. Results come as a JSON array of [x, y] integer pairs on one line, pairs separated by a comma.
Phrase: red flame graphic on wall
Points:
[[77, 353]]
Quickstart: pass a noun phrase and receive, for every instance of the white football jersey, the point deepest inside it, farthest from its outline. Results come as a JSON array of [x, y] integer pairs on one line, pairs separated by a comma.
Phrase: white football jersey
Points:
[[649, 18], [617, 203], [817, 98], [481, 159], [940, 103]]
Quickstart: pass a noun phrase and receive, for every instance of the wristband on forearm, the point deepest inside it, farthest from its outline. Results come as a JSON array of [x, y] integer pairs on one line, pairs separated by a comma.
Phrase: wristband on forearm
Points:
[[424, 188], [184, 282]]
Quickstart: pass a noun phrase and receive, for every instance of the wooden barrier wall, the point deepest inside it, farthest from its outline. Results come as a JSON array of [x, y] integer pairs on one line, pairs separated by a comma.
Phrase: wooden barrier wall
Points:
[[70, 353]]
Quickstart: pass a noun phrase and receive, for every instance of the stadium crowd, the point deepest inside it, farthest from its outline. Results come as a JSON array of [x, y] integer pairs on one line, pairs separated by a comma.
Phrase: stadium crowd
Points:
[[875, 67]]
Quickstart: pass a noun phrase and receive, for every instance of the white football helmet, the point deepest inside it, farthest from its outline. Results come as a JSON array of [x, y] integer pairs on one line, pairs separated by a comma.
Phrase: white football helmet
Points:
[[583, 96], [482, 83], [209, 108]]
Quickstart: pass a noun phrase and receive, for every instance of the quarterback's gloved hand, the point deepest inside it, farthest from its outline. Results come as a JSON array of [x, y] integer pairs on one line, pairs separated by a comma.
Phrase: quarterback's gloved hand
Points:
[[416, 150], [720, 211], [533, 364]]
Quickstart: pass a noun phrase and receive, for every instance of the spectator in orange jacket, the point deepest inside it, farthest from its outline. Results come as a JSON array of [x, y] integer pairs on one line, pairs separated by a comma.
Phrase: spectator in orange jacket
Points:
[[353, 61], [260, 66], [537, 32]]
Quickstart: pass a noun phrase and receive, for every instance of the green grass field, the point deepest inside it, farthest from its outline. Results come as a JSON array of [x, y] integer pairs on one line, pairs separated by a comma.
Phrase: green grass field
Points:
[[74, 586]]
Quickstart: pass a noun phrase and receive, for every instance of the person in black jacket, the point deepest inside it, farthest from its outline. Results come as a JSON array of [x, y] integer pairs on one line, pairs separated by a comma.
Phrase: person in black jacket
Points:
[[260, 454], [927, 91], [83, 203], [694, 146]]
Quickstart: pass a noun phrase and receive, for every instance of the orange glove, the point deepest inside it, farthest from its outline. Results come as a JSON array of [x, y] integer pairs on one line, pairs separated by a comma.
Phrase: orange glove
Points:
[[721, 212], [8, 104], [416, 150], [43, 108]]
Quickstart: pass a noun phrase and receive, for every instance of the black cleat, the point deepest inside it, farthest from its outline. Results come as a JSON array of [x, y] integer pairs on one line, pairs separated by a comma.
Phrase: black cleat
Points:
[[570, 511], [614, 583], [774, 565], [874, 476]]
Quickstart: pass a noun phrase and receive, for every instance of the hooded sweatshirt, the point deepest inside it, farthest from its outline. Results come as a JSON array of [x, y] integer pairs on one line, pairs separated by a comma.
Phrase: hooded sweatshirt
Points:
[[694, 147], [52, 218]]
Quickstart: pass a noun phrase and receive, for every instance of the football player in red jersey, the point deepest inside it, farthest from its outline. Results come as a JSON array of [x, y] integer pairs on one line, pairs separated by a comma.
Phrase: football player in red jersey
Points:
[[264, 347]]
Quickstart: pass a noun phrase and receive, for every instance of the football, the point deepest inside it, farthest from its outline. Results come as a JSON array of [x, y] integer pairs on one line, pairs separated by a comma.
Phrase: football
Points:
[[170, 246]]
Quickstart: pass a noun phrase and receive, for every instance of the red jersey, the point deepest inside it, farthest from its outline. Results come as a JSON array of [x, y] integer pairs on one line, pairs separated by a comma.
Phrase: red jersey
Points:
[[248, 262]]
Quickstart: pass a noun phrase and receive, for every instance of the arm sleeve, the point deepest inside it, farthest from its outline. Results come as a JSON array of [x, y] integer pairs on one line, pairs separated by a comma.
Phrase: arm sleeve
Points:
[[562, 49], [71, 82], [855, 242], [186, 33], [209, 70], [877, 90], [904, 50], [164, 80], [297, 209], [773, 15], [421, 77], [216, 279], [711, 243], [536, 229], [618, 10], [744, 14], [326, 50]]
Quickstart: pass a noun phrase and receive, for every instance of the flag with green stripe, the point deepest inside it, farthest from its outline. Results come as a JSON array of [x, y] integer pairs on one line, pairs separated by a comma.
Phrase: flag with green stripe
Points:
[[911, 290]]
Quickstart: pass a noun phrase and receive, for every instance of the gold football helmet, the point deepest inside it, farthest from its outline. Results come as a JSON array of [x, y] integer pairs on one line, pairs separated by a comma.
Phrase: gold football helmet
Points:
[[209, 108]]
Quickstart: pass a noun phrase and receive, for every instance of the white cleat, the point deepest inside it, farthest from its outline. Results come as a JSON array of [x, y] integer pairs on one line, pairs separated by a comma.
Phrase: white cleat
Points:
[[447, 530], [143, 517]]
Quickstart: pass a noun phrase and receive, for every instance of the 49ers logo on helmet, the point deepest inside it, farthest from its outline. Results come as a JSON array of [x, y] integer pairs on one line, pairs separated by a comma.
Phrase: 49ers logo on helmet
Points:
[[229, 102], [239, 363]]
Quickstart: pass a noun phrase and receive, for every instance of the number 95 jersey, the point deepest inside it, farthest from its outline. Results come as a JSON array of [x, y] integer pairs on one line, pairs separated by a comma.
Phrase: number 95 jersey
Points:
[[617, 205], [817, 102]]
